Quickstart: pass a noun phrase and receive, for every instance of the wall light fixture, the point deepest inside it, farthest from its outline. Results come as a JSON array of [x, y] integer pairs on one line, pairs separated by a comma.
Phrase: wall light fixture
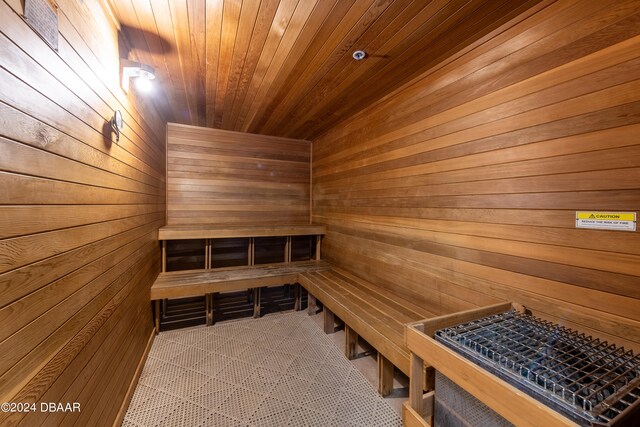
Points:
[[143, 74]]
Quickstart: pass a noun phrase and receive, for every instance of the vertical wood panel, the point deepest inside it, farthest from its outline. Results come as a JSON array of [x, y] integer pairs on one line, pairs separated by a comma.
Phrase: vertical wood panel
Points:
[[461, 188], [285, 67], [222, 177], [79, 214]]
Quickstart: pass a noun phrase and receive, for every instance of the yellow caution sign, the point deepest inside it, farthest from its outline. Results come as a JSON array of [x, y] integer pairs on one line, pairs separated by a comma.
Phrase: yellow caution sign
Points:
[[623, 221]]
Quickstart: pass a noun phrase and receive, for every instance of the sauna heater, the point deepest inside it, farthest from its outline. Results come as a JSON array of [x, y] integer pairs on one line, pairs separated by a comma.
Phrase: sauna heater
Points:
[[589, 381]]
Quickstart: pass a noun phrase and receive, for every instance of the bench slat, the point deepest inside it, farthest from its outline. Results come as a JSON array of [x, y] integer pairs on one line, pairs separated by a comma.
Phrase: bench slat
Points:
[[361, 304], [391, 318], [182, 284], [385, 296], [381, 331]]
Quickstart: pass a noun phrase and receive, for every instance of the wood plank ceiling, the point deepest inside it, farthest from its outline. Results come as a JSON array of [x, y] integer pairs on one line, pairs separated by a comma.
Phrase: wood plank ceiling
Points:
[[284, 67]]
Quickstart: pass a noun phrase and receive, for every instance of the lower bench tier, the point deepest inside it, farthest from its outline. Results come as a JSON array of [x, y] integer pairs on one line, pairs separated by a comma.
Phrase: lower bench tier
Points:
[[184, 284], [367, 310]]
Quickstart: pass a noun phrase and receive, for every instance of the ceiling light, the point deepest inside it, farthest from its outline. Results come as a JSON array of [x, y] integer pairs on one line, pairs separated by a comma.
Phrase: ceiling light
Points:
[[136, 70], [359, 55]]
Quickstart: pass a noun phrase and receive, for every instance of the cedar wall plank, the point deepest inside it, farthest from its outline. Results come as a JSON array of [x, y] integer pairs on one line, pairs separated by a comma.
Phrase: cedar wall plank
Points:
[[460, 188], [223, 177], [79, 214]]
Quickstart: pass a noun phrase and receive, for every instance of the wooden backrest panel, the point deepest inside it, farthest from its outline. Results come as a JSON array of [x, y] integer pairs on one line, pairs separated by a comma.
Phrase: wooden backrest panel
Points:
[[226, 178], [460, 189], [79, 215]]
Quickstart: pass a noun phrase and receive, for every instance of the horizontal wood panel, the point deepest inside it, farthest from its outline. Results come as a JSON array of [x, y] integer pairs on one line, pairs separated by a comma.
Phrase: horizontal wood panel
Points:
[[586, 239], [200, 162], [623, 94], [20, 282], [239, 218], [21, 220], [582, 200], [234, 186], [84, 345], [47, 297], [460, 190], [80, 306], [534, 158], [19, 126], [88, 351], [19, 95], [55, 167], [78, 217], [20, 251], [586, 181], [265, 180]]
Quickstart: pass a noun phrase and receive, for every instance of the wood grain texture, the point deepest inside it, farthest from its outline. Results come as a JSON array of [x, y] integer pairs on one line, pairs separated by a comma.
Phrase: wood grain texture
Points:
[[178, 284], [374, 312], [183, 232], [284, 67], [460, 189], [225, 178], [79, 214]]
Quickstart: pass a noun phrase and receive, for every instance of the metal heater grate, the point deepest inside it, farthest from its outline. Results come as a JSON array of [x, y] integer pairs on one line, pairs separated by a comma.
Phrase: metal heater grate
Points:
[[590, 381]]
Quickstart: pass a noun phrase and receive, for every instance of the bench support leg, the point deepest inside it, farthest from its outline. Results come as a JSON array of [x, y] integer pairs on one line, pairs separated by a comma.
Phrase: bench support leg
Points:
[[256, 303], [429, 379], [351, 342], [297, 305], [164, 255], [385, 375], [312, 305], [208, 298], [157, 314], [416, 383], [329, 320], [318, 246]]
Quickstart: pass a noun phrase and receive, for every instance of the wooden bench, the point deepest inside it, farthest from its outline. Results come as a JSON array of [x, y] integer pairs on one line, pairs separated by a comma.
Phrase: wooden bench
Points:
[[209, 280], [208, 233], [369, 311], [183, 284]]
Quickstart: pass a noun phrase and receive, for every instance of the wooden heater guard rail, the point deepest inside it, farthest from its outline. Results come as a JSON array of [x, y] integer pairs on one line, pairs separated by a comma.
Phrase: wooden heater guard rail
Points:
[[519, 408]]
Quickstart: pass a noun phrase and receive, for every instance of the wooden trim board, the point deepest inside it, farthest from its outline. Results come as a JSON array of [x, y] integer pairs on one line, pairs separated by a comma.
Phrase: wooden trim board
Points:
[[134, 382]]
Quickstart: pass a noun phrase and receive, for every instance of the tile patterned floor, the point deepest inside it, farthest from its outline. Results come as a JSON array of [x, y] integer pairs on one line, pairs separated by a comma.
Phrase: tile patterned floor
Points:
[[280, 370]]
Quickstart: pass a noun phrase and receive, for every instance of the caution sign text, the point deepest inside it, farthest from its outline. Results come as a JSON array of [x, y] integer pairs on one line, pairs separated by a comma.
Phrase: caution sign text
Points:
[[623, 221]]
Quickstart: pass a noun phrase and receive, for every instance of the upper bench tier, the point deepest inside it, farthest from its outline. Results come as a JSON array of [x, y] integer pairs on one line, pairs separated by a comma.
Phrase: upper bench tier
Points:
[[184, 232]]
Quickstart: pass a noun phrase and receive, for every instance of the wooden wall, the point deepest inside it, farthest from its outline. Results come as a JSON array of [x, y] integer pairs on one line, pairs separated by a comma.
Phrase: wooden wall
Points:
[[223, 177], [79, 215], [460, 189]]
